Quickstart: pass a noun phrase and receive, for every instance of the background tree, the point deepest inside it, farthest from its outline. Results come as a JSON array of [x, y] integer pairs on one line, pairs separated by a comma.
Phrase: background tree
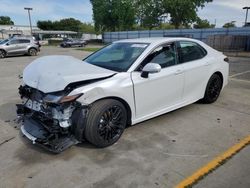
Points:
[[200, 24], [229, 24], [67, 24], [110, 15], [117, 15], [45, 25], [148, 13], [183, 12], [6, 20], [87, 28]]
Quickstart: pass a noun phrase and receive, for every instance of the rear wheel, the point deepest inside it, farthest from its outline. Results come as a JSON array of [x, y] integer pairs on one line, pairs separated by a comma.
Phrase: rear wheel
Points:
[[106, 122], [32, 52], [213, 89], [2, 54]]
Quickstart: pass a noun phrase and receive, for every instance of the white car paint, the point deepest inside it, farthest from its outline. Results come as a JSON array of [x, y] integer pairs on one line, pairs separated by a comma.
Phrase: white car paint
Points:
[[172, 88], [54, 73]]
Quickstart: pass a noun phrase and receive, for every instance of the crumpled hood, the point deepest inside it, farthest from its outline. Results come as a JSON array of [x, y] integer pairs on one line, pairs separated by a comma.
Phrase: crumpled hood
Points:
[[54, 73]]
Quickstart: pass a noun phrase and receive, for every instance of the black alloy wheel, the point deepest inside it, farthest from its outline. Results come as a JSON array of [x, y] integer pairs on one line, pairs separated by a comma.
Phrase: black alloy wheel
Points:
[[110, 125], [213, 89], [106, 122]]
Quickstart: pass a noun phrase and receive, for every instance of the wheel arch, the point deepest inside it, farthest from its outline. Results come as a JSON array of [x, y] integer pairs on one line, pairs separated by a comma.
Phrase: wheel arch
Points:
[[32, 48], [3, 50], [217, 73]]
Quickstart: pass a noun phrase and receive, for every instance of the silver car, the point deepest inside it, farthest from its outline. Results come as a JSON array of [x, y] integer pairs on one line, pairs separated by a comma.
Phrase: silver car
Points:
[[18, 46]]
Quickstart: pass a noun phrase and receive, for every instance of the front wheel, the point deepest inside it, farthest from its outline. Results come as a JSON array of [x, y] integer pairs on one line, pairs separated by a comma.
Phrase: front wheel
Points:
[[2, 54], [106, 122], [213, 89]]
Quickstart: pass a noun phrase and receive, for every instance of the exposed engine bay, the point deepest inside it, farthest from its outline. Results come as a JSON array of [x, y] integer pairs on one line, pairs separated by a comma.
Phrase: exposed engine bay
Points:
[[54, 120]]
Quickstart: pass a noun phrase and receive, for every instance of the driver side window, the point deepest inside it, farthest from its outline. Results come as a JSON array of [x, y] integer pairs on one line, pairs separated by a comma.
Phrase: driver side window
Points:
[[164, 55]]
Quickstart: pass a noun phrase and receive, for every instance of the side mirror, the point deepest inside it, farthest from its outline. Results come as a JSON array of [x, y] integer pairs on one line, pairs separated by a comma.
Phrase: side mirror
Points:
[[7, 44], [150, 68]]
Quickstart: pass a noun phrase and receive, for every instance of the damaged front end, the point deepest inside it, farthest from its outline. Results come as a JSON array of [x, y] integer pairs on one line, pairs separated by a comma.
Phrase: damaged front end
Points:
[[53, 121]]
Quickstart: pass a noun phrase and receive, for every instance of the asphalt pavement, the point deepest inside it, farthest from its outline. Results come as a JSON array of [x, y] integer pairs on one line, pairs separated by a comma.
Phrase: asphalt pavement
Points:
[[160, 152]]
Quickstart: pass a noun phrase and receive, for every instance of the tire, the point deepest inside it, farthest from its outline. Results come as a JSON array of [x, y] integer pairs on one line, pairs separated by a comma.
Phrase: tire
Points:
[[105, 123], [2, 54], [213, 89], [32, 52]]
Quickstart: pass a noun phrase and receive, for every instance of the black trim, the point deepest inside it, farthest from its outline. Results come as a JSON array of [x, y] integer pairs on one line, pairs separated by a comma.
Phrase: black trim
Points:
[[179, 46], [137, 69]]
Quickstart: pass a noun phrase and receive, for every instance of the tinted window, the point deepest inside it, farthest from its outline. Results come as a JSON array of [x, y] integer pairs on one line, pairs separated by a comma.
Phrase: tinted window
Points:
[[163, 55], [117, 56], [24, 41], [189, 51], [14, 42], [4, 41]]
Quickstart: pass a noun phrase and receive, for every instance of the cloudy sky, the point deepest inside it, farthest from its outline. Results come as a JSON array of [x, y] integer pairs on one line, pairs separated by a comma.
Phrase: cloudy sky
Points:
[[220, 10]]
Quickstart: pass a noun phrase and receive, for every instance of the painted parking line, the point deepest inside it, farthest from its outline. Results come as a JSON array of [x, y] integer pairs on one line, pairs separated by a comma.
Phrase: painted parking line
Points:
[[238, 74], [239, 80], [215, 163]]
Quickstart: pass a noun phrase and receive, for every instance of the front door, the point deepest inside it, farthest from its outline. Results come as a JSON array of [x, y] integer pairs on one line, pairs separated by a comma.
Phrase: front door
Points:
[[160, 91]]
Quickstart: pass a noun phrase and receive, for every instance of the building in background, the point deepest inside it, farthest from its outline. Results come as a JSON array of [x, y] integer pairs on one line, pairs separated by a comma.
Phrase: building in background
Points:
[[7, 31]]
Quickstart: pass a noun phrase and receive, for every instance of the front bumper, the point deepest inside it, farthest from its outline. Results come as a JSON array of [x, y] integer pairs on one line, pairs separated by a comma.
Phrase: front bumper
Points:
[[50, 137]]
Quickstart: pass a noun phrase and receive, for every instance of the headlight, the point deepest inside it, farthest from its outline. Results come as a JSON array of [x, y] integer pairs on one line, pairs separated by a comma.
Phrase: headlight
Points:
[[50, 98], [70, 98]]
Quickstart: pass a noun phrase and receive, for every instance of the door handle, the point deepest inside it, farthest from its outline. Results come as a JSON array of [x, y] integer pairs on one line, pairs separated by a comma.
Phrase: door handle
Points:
[[179, 71]]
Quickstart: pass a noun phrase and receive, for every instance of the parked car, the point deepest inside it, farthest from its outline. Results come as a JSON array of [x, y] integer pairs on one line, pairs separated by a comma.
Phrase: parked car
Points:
[[73, 42], [67, 101], [18, 46], [34, 39]]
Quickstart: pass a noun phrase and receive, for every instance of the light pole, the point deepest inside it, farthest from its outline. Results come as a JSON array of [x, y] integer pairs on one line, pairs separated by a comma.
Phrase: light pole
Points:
[[246, 8], [29, 9]]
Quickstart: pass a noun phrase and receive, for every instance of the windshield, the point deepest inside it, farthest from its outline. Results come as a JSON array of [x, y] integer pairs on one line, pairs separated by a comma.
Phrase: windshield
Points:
[[4, 41], [117, 56]]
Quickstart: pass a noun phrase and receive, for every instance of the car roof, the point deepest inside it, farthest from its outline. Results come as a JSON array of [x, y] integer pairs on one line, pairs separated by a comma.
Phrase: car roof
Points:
[[22, 38], [156, 40]]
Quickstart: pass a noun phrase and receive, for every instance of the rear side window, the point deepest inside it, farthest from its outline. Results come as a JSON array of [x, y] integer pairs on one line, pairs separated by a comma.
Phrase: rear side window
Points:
[[15, 41], [190, 51], [24, 41]]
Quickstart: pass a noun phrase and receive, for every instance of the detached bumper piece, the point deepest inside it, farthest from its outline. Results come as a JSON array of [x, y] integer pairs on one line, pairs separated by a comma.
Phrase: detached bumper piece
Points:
[[37, 133]]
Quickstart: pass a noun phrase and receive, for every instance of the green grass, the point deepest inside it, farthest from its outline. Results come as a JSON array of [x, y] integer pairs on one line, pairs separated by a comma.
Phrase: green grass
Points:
[[88, 49]]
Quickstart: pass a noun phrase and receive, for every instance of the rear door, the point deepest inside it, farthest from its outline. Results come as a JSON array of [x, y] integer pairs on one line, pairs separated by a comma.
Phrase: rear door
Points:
[[196, 66], [160, 91], [23, 45]]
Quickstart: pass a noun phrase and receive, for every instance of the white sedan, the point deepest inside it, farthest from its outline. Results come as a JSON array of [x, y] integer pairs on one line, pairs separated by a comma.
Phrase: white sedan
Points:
[[67, 101]]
